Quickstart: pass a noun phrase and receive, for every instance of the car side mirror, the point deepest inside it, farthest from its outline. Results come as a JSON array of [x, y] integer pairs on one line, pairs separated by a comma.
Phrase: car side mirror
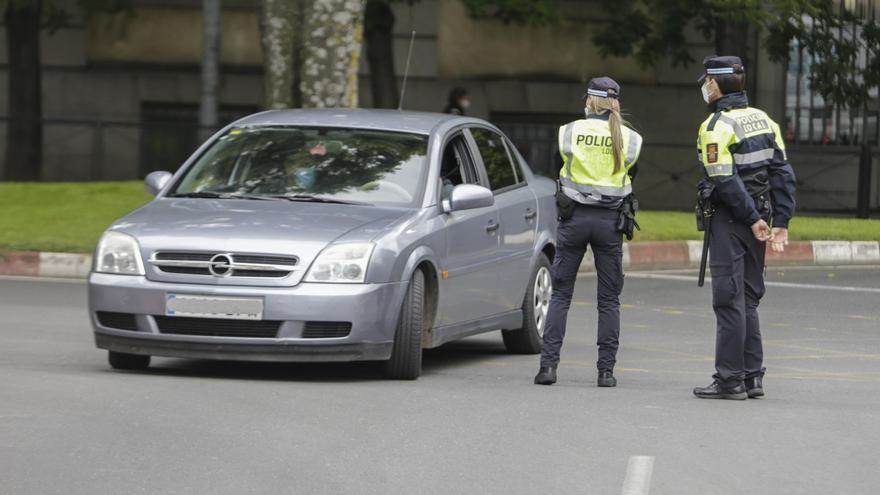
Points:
[[468, 197], [155, 181]]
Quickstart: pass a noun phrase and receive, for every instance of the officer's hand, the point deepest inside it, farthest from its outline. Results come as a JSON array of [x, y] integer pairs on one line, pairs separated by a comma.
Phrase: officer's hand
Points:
[[761, 230], [778, 239]]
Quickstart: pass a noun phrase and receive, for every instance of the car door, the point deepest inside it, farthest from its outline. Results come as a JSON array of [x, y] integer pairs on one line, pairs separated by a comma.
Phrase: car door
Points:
[[469, 289], [517, 210]]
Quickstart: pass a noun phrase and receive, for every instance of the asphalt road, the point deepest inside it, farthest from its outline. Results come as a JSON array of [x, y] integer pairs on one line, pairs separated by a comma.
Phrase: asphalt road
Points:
[[474, 422]]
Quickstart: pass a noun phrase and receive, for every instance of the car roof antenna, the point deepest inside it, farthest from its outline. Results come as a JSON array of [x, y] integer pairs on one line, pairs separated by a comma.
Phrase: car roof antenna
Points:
[[412, 41]]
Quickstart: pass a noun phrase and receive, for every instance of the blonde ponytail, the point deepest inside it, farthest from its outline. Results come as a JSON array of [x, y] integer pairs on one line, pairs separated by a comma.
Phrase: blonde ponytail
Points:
[[600, 105]]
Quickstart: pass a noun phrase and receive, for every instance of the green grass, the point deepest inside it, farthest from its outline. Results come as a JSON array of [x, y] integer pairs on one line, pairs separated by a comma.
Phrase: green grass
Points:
[[64, 217], [675, 225], [69, 217]]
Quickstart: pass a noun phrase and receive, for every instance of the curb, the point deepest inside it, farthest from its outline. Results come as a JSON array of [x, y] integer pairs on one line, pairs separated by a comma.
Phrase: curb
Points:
[[636, 255]]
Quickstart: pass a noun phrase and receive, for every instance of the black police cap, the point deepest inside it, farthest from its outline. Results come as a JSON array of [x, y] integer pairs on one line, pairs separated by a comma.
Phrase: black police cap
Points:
[[603, 87], [714, 65]]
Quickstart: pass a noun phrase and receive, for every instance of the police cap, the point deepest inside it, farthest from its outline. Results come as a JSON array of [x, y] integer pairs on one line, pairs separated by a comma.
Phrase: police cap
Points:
[[715, 65], [603, 87]]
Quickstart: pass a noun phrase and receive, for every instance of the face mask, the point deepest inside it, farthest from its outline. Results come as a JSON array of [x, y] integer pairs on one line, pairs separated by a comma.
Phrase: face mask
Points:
[[705, 90], [465, 103]]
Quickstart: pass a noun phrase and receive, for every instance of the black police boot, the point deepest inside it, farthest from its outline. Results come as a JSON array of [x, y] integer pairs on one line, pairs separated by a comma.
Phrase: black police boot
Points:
[[755, 387], [546, 375], [606, 379], [716, 391]]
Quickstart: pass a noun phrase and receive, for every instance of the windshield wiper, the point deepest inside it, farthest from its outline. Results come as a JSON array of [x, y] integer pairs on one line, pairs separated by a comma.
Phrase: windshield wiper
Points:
[[216, 195], [318, 199]]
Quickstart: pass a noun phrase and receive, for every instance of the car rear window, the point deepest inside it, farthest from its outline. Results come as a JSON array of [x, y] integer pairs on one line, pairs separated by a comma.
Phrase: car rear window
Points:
[[495, 158]]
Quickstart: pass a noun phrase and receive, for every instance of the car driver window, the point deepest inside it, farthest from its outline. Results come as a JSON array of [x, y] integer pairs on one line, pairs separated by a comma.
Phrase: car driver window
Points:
[[455, 167]]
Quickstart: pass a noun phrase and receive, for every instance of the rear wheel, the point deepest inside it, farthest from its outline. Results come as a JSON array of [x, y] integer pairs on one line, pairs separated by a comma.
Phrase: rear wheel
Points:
[[406, 357], [123, 361], [527, 339]]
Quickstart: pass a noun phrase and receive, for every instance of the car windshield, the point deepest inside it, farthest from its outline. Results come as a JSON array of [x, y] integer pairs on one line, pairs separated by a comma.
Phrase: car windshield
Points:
[[311, 164]]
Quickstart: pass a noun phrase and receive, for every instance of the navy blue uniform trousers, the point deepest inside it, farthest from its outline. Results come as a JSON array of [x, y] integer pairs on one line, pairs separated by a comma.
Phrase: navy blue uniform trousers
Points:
[[736, 260], [597, 227]]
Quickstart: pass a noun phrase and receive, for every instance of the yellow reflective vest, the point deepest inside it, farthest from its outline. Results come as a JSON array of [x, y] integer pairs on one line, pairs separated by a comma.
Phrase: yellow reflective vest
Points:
[[587, 174]]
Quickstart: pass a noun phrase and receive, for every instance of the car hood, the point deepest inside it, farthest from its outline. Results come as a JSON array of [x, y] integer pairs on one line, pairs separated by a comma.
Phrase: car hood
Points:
[[301, 229]]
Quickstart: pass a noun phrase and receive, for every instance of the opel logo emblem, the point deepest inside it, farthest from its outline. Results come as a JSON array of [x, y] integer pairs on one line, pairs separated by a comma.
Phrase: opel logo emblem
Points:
[[221, 265]]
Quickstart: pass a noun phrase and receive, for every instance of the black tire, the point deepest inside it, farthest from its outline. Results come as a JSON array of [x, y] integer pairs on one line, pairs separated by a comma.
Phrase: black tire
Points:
[[528, 338], [406, 357], [123, 361]]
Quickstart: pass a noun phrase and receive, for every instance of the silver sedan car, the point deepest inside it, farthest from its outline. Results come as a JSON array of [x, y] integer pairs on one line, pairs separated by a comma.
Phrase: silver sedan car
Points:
[[330, 235]]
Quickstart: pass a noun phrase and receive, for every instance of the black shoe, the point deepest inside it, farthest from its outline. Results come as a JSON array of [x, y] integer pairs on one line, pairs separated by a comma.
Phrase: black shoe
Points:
[[755, 387], [716, 391], [606, 379], [546, 375]]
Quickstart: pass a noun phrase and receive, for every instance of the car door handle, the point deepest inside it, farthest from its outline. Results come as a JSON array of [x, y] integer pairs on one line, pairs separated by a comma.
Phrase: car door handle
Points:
[[530, 214], [493, 226]]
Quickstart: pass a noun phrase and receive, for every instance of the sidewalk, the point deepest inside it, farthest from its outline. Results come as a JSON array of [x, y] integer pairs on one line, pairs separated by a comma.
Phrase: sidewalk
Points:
[[636, 255]]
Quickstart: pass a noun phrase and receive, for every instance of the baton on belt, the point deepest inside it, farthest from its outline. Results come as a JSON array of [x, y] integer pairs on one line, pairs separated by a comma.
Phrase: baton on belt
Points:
[[705, 256]]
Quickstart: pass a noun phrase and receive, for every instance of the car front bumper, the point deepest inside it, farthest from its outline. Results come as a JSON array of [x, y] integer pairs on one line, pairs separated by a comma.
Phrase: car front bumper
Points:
[[371, 309]]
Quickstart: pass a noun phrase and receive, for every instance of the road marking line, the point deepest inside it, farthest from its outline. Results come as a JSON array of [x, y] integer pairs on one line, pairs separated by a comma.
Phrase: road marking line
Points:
[[684, 278], [638, 475]]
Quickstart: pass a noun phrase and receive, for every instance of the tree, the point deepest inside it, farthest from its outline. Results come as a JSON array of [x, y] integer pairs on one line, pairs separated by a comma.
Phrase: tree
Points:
[[24, 135], [208, 107], [653, 30], [331, 49], [279, 21]]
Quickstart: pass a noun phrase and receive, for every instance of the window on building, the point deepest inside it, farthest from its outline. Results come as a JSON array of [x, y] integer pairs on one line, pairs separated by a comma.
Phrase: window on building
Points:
[[535, 135], [170, 133]]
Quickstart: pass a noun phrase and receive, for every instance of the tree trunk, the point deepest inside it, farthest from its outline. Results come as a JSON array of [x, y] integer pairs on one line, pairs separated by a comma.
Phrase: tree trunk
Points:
[[277, 29], [332, 47], [208, 108], [378, 36], [24, 138]]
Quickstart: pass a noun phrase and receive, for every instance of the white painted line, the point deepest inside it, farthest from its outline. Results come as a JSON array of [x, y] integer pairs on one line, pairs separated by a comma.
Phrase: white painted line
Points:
[[685, 278], [638, 475]]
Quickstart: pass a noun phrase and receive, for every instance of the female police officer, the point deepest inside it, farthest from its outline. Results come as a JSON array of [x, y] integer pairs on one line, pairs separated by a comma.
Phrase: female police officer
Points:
[[598, 158]]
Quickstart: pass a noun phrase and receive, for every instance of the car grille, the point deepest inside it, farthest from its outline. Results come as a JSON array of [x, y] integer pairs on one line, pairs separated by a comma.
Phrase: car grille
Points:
[[224, 264], [217, 327], [120, 321], [326, 329]]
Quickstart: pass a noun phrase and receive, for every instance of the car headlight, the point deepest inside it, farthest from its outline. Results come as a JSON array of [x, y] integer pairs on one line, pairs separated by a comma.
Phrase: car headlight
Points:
[[342, 263], [118, 253]]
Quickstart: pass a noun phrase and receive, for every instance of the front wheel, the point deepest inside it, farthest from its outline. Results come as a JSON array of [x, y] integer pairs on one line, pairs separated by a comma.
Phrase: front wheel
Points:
[[406, 356], [528, 338], [123, 361]]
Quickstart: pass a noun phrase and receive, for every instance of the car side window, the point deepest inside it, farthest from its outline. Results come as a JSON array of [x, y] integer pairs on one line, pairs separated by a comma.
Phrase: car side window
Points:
[[496, 158], [456, 167]]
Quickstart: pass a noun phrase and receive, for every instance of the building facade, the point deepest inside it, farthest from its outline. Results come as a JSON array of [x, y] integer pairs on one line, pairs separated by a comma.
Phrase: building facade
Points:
[[121, 92]]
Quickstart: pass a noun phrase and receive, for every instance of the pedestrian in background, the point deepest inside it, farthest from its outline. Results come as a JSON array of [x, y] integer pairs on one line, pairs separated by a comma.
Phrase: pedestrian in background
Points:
[[598, 155], [458, 102], [750, 184]]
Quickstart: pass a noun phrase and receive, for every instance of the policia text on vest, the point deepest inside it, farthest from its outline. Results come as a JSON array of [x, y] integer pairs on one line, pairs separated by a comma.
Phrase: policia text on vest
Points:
[[598, 162]]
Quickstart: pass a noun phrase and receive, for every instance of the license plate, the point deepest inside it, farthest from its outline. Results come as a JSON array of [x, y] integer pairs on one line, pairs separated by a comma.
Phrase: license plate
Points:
[[232, 308]]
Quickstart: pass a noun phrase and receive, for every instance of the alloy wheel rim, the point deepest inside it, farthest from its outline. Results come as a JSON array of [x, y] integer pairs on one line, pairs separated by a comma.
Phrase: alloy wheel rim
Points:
[[541, 298]]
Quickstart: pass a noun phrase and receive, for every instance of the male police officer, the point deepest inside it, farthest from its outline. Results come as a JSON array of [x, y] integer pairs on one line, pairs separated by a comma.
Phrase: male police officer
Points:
[[595, 206], [745, 165]]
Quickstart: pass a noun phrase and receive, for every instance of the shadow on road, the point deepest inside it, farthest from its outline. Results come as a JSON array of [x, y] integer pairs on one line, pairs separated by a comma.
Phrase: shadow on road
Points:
[[439, 360]]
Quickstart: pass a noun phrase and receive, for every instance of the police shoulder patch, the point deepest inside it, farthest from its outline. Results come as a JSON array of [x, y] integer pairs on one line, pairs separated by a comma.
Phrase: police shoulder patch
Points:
[[712, 152]]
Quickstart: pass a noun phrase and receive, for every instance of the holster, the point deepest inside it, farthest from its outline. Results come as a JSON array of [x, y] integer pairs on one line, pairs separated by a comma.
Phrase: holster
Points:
[[626, 219], [705, 208], [564, 204]]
